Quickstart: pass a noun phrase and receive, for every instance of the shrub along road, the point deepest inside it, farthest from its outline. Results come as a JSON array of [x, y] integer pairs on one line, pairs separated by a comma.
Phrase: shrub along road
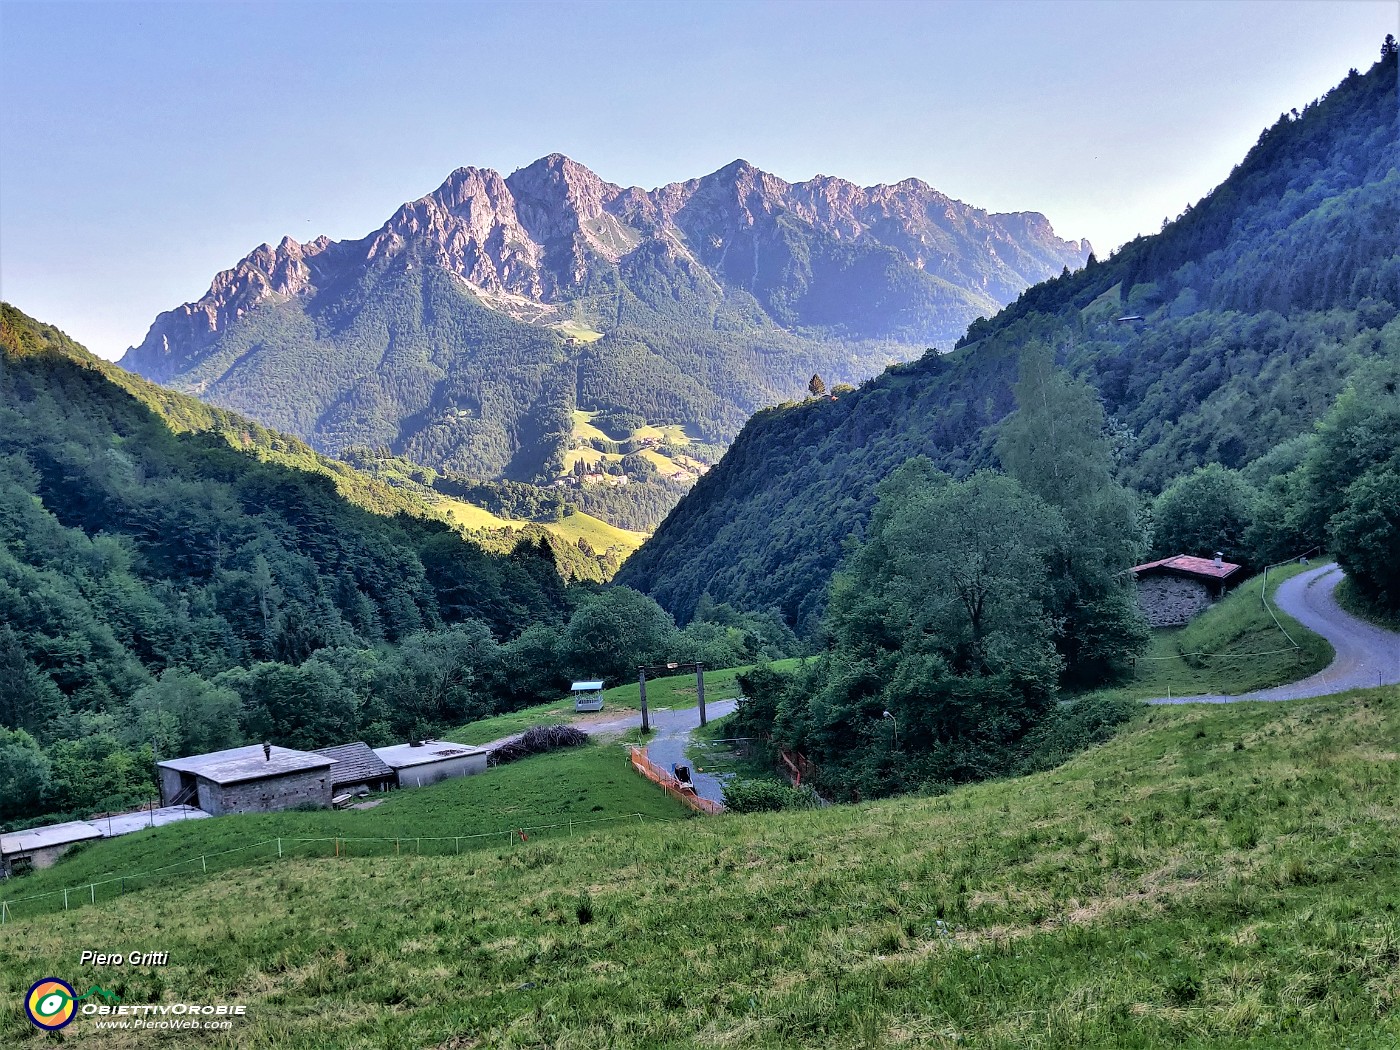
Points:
[[1367, 655]]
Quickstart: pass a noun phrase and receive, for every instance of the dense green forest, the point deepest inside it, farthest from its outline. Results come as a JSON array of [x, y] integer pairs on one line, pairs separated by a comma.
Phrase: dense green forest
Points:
[[1218, 343], [163, 593]]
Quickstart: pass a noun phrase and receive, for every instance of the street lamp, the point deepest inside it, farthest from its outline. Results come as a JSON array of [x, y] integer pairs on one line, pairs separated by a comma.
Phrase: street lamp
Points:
[[895, 725]]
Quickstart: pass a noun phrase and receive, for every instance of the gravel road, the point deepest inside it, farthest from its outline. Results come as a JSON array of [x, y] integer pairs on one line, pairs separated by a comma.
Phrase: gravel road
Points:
[[1366, 655]]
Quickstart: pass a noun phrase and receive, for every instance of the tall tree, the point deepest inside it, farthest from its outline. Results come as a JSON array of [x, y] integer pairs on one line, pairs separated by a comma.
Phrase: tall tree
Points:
[[1055, 444]]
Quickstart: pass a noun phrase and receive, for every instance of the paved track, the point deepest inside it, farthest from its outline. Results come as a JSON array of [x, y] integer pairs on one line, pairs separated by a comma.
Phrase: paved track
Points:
[[1366, 655]]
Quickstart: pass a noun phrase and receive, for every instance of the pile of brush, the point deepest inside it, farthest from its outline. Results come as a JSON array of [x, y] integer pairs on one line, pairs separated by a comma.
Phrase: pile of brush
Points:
[[537, 741]]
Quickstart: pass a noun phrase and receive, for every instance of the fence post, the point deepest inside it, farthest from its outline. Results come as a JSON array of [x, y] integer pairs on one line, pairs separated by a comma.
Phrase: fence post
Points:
[[420, 845], [4, 913], [65, 899], [459, 843], [571, 827], [279, 847], [396, 847], [204, 864], [93, 892]]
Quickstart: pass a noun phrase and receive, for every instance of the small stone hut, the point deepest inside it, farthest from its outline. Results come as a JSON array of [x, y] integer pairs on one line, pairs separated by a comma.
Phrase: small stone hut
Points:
[[258, 778], [1171, 591]]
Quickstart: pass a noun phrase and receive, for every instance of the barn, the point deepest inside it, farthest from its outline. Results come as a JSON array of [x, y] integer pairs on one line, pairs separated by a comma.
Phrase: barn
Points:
[[424, 762], [258, 778], [357, 766], [1171, 591]]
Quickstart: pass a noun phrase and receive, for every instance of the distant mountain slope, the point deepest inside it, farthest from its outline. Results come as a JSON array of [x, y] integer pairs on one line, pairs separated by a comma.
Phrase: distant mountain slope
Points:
[[1213, 341], [467, 330], [158, 539], [375, 483]]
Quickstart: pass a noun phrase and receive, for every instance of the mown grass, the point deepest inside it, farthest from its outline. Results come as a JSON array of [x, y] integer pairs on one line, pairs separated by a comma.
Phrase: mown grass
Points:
[[1229, 634], [1212, 877]]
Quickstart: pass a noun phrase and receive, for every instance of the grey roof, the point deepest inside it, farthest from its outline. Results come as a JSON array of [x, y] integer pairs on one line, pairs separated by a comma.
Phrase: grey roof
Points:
[[96, 828], [141, 819], [586, 687], [355, 763], [238, 764], [401, 756], [52, 835]]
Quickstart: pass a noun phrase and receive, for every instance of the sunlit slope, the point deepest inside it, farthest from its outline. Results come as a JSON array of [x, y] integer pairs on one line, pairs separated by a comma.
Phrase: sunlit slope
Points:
[[1213, 876]]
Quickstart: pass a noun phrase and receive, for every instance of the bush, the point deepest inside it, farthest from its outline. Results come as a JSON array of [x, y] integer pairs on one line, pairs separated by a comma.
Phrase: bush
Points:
[[766, 796]]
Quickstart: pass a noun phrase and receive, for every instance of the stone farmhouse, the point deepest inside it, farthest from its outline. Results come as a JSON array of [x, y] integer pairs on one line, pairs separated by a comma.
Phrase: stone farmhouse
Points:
[[1171, 591]]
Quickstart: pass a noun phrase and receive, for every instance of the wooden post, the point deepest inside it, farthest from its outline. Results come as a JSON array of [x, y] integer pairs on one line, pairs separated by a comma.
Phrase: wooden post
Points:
[[92, 892], [279, 847], [642, 687], [65, 900], [204, 863], [700, 690]]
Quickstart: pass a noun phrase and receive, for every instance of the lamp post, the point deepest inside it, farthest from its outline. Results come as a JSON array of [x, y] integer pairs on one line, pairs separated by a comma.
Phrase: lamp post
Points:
[[895, 724]]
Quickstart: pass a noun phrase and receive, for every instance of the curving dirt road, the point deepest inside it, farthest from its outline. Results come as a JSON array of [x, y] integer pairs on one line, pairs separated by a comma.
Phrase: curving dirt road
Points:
[[1366, 655]]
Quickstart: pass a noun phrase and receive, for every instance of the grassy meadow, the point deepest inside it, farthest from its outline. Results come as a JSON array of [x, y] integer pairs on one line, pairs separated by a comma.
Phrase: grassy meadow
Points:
[[588, 785], [1211, 877], [674, 692], [572, 527]]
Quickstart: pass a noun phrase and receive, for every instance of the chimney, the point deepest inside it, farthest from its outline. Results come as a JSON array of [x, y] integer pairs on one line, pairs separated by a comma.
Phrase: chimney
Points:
[[1219, 560], [267, 752]]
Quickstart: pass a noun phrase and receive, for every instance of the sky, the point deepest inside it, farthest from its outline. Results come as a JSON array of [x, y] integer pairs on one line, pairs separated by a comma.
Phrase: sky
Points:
[[144, 147]]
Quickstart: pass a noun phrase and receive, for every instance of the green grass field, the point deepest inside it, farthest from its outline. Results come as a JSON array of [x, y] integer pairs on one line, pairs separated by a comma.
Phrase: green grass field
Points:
[[1212, 877], [1230, 631], [675, 692], [591, 783]]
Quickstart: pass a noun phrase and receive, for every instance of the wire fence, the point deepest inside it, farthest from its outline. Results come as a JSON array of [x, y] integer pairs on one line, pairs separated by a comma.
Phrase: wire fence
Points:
[[330, 847]]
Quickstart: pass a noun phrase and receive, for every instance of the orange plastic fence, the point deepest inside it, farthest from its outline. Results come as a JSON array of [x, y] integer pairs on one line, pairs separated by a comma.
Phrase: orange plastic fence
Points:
[[649, 769]]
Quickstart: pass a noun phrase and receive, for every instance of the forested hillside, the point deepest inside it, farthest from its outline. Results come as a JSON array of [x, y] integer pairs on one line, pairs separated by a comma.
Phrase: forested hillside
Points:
[[1218, 344], [165, 593]]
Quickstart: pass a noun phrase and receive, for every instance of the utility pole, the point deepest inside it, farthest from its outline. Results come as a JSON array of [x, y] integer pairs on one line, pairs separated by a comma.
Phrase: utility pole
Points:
[[700, 690], [642, 687]]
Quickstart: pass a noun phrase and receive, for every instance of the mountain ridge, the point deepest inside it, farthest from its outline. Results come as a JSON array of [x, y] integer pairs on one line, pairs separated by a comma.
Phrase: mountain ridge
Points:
[[464, 331]]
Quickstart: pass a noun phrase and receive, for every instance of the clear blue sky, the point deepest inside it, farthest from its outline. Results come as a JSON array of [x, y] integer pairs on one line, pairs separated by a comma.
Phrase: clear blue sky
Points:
[[143, 147]]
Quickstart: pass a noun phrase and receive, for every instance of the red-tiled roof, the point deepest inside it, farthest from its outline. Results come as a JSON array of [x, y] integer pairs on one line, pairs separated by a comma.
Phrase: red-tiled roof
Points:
[[1191, 566]]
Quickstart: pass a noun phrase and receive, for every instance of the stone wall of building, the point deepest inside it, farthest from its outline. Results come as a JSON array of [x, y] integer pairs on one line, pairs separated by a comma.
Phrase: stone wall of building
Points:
[[312, 788], [1170, 601]]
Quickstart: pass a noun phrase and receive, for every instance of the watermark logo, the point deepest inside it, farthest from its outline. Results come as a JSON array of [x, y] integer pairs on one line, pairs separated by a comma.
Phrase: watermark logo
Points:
[[51, 1004]]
